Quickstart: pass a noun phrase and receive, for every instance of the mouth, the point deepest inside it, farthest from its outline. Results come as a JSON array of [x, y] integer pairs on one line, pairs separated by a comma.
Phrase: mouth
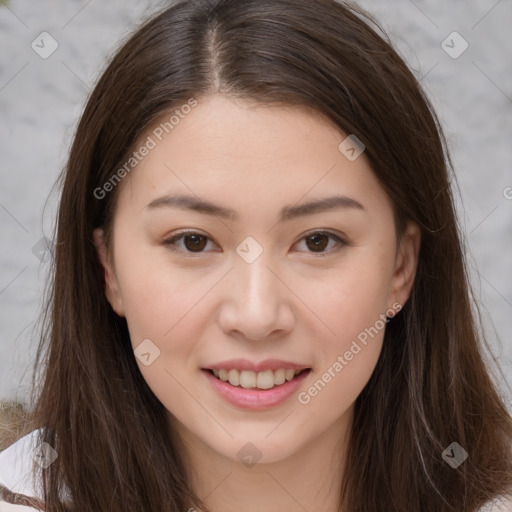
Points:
[[248, 379]]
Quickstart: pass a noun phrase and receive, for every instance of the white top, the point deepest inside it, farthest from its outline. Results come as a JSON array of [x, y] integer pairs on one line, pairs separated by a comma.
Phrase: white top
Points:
[[16, 463], [7, 507], [16, 472]]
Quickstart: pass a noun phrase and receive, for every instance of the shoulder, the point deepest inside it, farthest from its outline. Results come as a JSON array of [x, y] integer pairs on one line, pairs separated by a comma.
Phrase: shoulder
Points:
[[19, 491], [498, 505], [8, 507]]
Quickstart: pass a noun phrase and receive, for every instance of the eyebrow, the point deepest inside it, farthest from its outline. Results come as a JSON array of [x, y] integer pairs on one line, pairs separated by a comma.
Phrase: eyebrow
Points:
[[287, 213]]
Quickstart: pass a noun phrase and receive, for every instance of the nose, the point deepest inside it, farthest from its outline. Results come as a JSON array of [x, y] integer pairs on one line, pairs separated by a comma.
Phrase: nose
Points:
[[256, 304]]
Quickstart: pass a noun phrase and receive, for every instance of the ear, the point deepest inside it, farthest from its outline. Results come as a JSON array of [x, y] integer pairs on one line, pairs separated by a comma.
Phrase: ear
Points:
[[112, 291], [406, 265]]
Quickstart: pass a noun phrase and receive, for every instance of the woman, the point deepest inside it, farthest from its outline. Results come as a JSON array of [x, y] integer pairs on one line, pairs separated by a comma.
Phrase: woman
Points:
[[260, 292]]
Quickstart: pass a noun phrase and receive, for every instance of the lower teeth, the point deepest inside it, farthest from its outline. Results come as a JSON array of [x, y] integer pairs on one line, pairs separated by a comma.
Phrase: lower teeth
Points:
[[261, 389]]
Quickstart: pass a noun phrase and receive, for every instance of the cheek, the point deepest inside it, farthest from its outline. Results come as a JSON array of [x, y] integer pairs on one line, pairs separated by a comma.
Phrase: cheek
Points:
[[351, 298], [164, 305], [351, 305], [347, 357], [157, 297]]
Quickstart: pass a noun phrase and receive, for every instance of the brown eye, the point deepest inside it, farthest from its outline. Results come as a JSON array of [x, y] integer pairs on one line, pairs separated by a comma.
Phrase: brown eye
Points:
[[189, 243], [195, 243], [321, 243], [317, 242]]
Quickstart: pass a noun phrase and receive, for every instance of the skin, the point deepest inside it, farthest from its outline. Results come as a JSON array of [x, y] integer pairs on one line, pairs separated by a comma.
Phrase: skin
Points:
[[290, 303]]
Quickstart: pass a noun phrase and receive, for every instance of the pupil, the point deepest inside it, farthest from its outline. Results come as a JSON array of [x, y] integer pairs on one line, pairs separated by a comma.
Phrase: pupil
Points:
[[319, 242], [198, 242]]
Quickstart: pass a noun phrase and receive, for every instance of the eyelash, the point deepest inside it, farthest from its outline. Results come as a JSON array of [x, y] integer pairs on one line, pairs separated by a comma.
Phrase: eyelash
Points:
[[171, 242]]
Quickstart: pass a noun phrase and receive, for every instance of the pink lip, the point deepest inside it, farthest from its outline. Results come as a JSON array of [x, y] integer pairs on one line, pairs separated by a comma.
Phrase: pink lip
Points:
[[245, 364], [255, 399]]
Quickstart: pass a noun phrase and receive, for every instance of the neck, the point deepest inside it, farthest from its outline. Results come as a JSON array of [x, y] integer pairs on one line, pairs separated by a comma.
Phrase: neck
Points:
[[307, 480]]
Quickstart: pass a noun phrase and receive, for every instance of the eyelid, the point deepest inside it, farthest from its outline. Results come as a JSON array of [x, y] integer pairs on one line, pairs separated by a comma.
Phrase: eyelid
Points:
[[338, 238], [169, 242]]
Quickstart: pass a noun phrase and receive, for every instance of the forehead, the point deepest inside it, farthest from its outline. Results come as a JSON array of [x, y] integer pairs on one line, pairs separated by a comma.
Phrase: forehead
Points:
[[249, 156]]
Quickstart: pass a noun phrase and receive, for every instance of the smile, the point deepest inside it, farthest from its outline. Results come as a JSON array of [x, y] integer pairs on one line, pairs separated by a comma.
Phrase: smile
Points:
[[247, 379], [255, 398]]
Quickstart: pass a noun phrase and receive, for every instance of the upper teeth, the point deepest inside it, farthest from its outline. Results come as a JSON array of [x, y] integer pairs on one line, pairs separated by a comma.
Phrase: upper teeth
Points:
[[262, 380]]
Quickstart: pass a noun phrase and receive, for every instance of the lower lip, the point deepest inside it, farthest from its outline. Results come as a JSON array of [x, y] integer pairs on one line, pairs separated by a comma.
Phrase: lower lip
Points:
[[256, 399]]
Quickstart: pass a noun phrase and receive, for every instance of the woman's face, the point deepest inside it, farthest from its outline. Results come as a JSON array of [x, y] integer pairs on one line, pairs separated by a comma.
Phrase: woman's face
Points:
[[247, 242]]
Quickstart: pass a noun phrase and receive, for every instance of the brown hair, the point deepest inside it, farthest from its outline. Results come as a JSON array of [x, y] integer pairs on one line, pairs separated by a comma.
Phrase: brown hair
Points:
[[431, 386]]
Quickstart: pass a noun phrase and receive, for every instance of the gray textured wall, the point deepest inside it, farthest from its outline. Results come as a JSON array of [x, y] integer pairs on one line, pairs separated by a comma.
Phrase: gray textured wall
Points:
[[41, 99]]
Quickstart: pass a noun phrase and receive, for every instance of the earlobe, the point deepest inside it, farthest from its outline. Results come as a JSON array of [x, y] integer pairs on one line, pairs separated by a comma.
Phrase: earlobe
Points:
[[406, 264], [112, 291]]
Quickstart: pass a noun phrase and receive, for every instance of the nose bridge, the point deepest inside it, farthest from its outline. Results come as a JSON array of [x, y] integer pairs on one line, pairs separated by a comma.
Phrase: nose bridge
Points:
[[257, 303], [261, 293]]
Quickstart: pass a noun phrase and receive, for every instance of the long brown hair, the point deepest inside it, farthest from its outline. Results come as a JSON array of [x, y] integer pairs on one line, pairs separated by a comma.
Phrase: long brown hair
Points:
[[431, 386]]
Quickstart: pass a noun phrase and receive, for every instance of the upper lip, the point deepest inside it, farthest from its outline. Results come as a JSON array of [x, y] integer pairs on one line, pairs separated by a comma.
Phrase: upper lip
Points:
[[245, 364]]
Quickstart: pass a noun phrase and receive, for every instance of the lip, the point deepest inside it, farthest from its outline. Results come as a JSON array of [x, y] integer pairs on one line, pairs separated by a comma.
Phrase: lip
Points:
[[255, 399], [245, 364]]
